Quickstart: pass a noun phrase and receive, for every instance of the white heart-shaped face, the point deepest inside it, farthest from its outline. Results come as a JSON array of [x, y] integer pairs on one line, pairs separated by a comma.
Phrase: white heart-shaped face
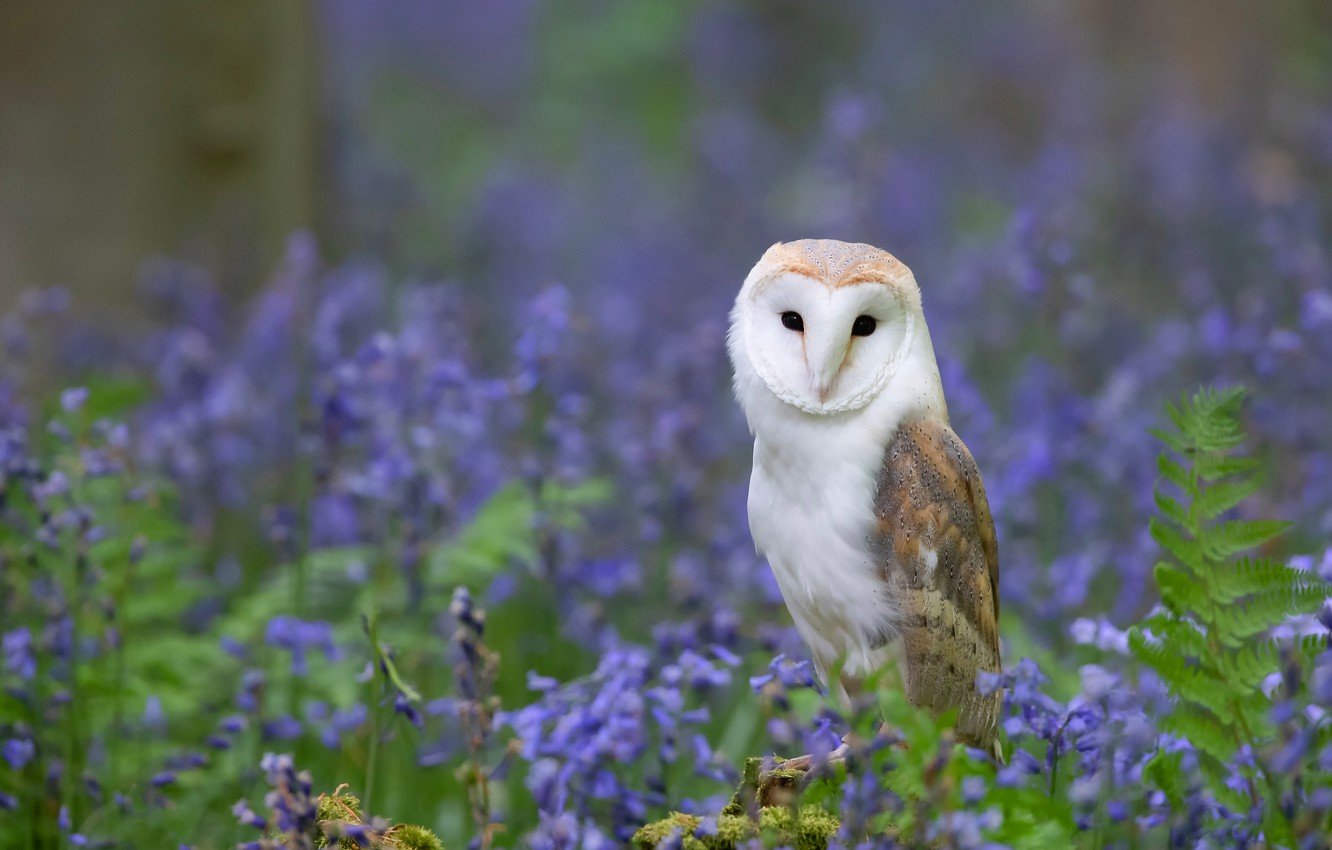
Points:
[[820, 363]]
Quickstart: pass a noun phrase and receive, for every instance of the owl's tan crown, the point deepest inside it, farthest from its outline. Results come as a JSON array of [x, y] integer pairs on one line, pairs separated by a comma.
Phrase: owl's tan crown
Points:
[[835, 263]]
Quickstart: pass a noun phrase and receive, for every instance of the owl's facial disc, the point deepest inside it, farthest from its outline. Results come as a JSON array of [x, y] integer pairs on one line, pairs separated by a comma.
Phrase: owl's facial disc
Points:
[[825, 349]]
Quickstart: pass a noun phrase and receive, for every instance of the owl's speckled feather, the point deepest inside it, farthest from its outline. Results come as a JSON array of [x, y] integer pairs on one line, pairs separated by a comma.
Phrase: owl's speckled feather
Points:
[[936, 551]]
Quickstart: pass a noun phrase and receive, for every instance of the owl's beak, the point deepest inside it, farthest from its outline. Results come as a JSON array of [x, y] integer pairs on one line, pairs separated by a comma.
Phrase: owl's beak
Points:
[[826, 357]]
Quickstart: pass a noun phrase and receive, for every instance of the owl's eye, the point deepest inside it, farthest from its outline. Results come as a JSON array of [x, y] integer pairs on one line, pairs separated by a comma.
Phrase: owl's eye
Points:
[[792, 322], [863, 326]]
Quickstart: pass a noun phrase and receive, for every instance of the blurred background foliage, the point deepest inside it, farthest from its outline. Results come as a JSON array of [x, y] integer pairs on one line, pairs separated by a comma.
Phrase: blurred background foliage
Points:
[[491, 355], [527, 140]]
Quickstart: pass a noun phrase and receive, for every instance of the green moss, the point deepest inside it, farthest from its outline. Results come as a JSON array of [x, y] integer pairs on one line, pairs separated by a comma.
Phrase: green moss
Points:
[[411, 837], [336, 807], [808, 829], [346, 808], [653, 834], [777, 787]]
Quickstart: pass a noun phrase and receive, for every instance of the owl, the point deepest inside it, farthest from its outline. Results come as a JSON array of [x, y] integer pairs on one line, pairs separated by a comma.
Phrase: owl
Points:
[[869, 509]]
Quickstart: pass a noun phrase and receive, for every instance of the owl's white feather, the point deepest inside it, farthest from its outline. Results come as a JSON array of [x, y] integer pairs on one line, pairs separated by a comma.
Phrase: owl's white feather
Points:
[[818, 449]]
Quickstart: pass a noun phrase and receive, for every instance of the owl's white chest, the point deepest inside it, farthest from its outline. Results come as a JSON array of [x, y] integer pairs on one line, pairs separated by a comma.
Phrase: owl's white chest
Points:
[[811, 505], [811, 514]]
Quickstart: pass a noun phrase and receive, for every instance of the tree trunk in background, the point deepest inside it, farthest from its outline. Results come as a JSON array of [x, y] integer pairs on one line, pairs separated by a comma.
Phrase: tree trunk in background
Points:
[[128, 129]]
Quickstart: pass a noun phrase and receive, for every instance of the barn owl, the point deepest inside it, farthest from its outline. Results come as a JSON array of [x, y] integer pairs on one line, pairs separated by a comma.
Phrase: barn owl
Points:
[[867, 506]]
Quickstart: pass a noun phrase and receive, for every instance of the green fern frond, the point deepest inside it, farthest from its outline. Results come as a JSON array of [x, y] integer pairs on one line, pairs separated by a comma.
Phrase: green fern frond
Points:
[[1192, 682], [1208, 643], [1174, 541], [1204, 729], [1171, 438], [1216, 467], [1180, 634], [1218, 773], [1248, 667], [1237, 579], [1164, 771], [1257, 660], [1226, 539], [1180, 592], [1171, 509], [1172, 471], [1209, 422], [1322, 738], [1225, 495], [1258, 613]]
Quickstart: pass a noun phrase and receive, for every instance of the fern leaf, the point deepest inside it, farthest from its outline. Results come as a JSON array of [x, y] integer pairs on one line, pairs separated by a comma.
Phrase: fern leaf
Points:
[[1308, 598], [1255, 708], [1251, 575], [1213, 436], [1173, 471], [1203, 729], [1218, 774], [1181, 592], [1258, 613], [1163, 770], [1215, 467], [1211, 420], [1191, 682], [1172, 439], [1309, 647], [1183, 636], [1171, 509], [1322, 738], [1221, 497], [1175, 542], [1248, 667], [1230, 538]]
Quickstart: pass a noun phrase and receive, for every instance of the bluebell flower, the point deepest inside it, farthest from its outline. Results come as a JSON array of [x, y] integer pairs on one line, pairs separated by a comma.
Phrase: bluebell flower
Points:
[[300, 637], [18, 752], [163, 779], [247, 816], [20, 662], [282, 728]]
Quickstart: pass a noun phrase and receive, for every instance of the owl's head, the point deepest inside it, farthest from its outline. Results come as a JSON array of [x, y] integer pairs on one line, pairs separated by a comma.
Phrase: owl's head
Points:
[[826, 324]]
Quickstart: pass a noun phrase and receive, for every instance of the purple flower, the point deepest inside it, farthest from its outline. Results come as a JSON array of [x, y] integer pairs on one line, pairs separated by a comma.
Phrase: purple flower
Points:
[[19, 659], [300, 637], [18, 752], [72, 399]]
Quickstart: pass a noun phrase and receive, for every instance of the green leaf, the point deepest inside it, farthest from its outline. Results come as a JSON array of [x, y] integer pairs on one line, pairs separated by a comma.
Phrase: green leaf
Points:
[[1246, 576], [1218, 775], [1180, 592], [1191, 681], [1171, 509], [1180, 634], [1217, 466], [1173, 440], [1221, 497], [1204, 729], [1163, 771], [499, 536], [1174, 541], [1230, 538], [1258, 613], [1172, 471]]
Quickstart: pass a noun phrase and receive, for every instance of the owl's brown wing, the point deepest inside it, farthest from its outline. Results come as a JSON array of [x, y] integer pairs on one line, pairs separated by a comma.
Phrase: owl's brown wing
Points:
[[936, 549]]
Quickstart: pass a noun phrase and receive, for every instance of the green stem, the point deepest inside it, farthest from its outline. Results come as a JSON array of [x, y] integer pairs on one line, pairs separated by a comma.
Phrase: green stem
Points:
[[1272, 786], [376, 698], [371, 759]]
